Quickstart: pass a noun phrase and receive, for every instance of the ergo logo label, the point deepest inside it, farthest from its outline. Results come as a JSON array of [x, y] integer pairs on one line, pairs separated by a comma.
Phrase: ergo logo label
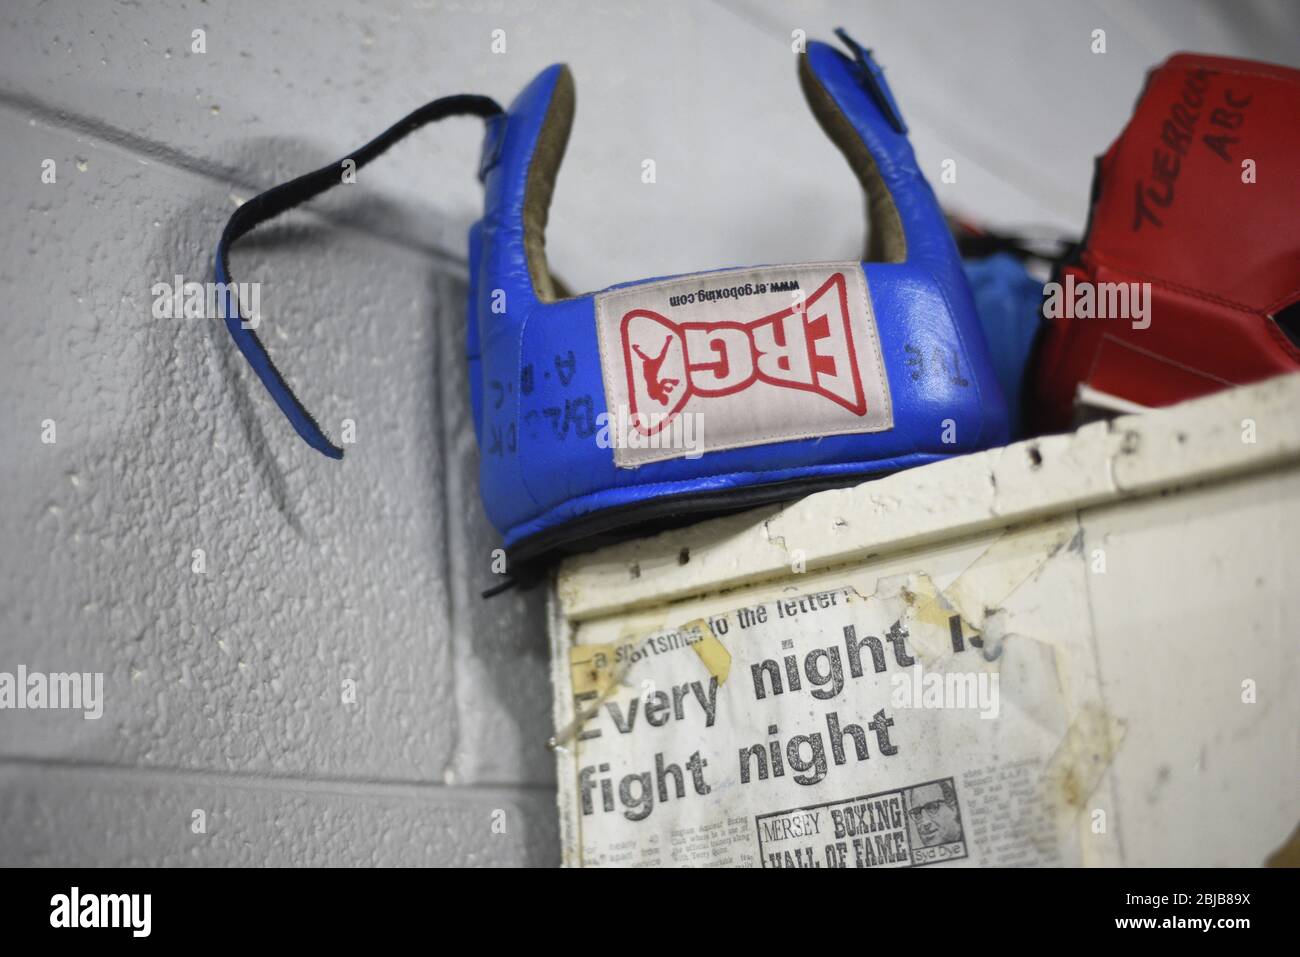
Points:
[[808, 347]]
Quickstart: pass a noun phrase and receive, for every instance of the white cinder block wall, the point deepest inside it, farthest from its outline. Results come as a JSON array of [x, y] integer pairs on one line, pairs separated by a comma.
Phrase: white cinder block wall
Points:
[[224, 689]]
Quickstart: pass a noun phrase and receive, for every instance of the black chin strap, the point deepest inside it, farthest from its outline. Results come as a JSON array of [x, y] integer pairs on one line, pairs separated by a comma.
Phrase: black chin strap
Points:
[[975, 243], [280, 198]]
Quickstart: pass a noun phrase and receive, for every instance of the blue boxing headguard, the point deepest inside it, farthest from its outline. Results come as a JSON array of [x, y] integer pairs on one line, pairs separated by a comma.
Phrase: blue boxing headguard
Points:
[[657, 402]]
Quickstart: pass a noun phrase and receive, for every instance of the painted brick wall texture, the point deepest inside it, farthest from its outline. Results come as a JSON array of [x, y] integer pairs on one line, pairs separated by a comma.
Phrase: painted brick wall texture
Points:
[[223, 690]]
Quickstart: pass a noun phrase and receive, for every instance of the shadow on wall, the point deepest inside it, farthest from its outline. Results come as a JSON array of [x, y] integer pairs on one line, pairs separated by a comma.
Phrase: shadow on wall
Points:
[[190, 397], [503, 638]]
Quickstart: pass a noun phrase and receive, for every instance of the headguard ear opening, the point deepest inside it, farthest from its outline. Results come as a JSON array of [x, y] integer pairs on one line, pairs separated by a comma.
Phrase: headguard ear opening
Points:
[[547, 156], [886, 241]]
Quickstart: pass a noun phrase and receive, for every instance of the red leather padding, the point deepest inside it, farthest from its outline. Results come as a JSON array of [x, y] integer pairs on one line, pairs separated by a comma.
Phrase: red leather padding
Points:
[[1172, 207]]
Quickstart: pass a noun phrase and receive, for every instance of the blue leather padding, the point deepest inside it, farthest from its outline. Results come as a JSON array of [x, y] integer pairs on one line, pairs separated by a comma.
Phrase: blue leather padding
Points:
[[472, 354], [540, 387], [930, 246], [1010, 303], [578, 507], [502, 264]]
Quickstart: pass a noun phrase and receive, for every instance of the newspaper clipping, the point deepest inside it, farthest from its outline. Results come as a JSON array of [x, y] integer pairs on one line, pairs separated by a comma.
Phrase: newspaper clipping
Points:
[[814, 730]]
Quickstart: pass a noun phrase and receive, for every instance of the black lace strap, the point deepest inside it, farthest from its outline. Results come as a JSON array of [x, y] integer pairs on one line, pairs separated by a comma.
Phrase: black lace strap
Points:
[[280, 198]]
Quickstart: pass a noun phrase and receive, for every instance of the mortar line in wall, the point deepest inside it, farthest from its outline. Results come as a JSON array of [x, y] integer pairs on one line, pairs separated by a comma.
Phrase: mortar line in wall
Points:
[[139, 147], [260, 781], [444, 446]]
